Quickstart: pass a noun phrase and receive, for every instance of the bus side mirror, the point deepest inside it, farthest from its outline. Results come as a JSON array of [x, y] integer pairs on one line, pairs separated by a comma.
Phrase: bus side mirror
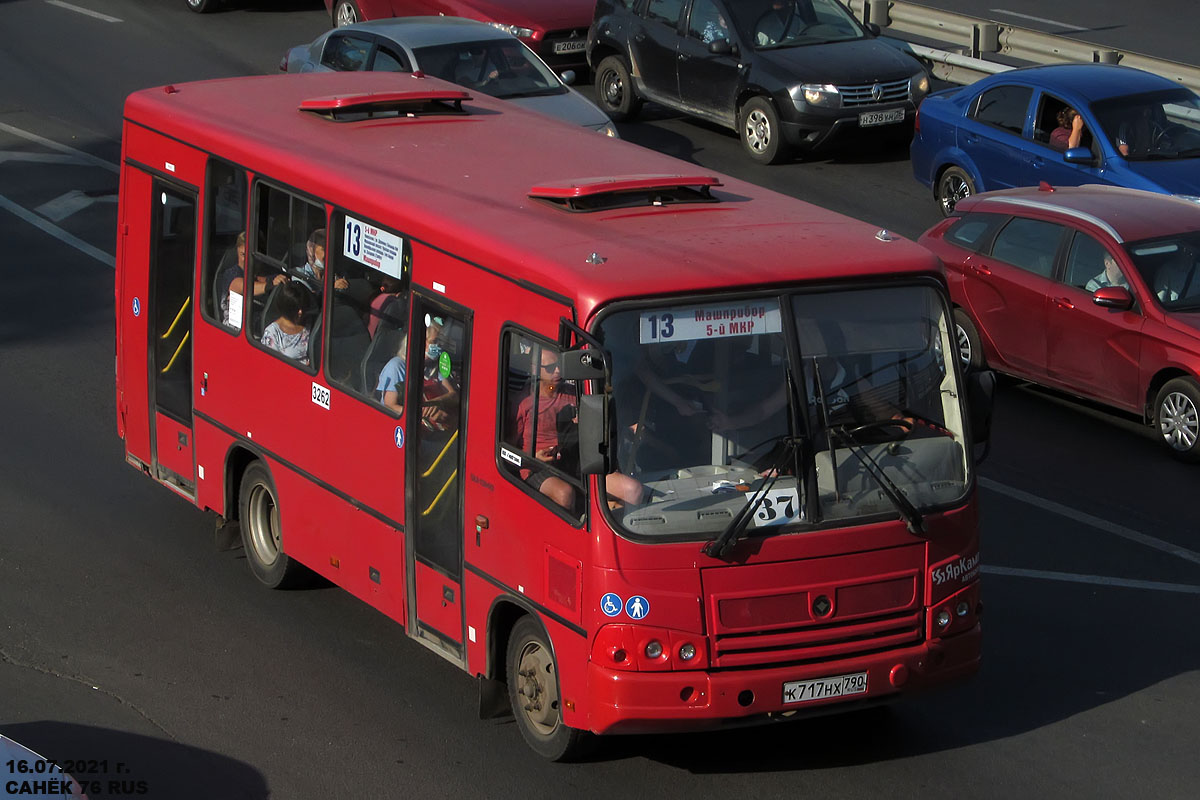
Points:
[[981, 394], [593, 434], [583, 365]]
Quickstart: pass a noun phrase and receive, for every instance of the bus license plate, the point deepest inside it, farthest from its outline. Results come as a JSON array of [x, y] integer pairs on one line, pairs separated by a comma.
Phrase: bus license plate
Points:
[[824, 688], [869, 118], [572, 46]]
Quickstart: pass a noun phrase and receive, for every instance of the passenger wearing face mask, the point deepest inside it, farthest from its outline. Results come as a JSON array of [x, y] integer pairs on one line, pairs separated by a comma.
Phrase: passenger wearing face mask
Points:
[[312, 274], [439, 392]]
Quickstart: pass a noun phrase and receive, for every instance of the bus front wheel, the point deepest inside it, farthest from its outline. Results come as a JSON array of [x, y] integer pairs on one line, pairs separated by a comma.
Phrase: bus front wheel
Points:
[[262, 537], [533, 692]]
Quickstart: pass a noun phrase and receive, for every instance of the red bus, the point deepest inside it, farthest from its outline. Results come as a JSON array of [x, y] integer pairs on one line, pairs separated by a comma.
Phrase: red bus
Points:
[[678, 452]]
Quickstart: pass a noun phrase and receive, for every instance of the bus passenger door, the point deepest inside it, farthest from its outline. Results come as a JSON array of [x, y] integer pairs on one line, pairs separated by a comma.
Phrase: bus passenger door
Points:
[[439, 339], [172, 268]]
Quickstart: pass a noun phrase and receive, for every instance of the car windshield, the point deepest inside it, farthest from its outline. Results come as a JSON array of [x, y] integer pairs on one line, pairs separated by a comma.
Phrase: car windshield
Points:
[[1170, 266], [791, 23], [500, 68], [716, 407], [1154, 126]]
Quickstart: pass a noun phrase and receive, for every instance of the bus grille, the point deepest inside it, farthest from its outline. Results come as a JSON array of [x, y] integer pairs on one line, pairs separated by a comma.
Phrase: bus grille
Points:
[[817, 642], [865, 95]]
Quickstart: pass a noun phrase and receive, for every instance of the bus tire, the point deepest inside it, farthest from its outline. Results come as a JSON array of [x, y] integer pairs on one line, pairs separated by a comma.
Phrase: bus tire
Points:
[[761, 134], [261, 530], [967, 346], [345, 12], [1177, 417], [532, 675], [614, 90]]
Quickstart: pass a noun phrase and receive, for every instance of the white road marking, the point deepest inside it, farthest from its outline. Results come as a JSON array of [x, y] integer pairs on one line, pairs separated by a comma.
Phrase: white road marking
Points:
[[1098, 580], [1096, 522], [86, 11], [87, 158], [1070, 25], [72, 202], [57, 232]]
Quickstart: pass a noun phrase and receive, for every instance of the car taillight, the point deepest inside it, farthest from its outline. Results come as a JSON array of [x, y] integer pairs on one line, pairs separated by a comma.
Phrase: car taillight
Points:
[[917, 121]]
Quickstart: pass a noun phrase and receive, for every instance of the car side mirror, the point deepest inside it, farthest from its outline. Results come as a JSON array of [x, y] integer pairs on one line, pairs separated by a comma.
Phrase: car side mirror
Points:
[[593, 434], [873, 29], [567, 76], [720, 47], [1079, 155], [1117, 298]]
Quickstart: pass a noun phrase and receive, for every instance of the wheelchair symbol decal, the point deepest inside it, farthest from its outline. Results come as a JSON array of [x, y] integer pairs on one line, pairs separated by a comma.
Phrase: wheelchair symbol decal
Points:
[[611, 605]]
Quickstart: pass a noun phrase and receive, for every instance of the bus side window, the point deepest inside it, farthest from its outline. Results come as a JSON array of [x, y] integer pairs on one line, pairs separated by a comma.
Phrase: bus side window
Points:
[[225, 244], [287, 244], [368, 312], [539, 442]]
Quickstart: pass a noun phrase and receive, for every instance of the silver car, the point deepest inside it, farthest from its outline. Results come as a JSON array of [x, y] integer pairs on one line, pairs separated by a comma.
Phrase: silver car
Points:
[[473, 54]]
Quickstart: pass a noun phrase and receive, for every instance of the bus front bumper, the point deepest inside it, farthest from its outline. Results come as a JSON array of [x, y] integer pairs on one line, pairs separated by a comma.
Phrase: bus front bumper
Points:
[[646, 702]]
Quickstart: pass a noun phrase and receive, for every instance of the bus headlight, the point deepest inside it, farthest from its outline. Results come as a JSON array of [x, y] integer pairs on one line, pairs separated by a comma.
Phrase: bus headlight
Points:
[[687, 651], [943, 619], [653, 648]]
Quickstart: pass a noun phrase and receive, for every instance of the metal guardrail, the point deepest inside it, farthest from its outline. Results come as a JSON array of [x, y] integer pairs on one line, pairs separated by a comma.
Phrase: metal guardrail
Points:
[[974, 37]]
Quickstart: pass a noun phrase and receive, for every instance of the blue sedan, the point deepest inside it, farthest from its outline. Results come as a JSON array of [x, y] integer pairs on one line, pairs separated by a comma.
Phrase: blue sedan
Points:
[[1139, 130]]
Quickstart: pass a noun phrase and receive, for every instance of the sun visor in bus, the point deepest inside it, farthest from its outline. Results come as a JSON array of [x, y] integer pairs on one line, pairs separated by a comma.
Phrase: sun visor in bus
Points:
[[371, 105], [627, 191]]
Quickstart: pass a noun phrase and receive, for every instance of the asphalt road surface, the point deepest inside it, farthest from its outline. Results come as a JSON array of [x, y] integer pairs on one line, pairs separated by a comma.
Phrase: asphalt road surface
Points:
[[129, 643]]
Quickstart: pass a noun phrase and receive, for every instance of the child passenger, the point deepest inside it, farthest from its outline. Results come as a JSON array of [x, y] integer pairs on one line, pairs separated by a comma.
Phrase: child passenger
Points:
[[288, 334]]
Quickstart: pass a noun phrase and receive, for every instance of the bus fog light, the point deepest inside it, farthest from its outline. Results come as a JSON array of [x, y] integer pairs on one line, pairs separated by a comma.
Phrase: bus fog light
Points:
[[654, 649], [962, 608], [942, 619], [618, 656], [687, 652]]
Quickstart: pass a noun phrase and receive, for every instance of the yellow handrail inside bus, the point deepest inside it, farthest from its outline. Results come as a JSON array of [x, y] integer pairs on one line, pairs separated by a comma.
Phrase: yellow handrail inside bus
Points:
[[178, 350], [441, 455], [445, 486], [178, 317]]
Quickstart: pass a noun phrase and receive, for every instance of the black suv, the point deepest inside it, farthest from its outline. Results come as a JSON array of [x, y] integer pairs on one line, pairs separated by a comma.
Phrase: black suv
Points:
[[784, 73]]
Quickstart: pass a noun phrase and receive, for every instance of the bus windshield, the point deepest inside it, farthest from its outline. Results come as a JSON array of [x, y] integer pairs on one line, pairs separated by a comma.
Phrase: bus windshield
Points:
[[822, 408]]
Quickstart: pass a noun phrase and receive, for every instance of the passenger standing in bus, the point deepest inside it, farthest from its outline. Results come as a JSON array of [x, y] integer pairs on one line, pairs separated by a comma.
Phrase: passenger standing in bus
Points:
[[390, 293], [391, 379], [438, 392], [288, 334]]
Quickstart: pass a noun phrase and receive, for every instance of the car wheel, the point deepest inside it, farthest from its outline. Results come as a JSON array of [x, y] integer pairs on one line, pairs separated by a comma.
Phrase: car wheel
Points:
[[966, 342], [533, 692], [261, 530], [345, 12], [614, 90], [953, 185], [203, 6], [1177, 416], [761, 135]]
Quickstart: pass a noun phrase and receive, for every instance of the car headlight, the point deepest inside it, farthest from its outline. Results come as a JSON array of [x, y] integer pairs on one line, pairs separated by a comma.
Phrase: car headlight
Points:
[[918, 87], [609, 130], [515, 30], [816, 94], [1192, 197]]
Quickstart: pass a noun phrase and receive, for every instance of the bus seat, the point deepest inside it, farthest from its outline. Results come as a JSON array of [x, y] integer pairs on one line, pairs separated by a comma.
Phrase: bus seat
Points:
[[348, 341], [314, 342]]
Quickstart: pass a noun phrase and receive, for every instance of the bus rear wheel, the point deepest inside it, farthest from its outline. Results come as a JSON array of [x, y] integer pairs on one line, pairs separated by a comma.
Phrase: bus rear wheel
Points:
[[262, 534], [533, 692]]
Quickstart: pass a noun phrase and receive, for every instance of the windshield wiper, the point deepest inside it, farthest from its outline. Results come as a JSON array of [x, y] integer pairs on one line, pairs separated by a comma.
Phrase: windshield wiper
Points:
[[723, 545], [912, 517]]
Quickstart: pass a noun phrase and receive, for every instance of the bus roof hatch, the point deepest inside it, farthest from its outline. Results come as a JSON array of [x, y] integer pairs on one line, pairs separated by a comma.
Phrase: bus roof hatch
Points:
[[349, 107], [625, 191]]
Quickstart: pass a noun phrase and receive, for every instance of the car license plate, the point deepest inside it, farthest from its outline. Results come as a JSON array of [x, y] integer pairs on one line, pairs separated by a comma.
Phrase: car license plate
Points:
[[868, 118], [572, 46], [824, 688]]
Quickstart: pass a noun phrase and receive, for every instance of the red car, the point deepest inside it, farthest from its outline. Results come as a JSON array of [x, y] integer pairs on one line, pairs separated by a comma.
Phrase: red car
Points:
[[554, 29], [1093, 290]]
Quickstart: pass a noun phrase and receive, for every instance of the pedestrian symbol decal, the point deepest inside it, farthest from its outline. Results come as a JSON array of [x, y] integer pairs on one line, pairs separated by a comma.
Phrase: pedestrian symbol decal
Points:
[[399, 436], [610, 604], [137, 306], [637, 607]]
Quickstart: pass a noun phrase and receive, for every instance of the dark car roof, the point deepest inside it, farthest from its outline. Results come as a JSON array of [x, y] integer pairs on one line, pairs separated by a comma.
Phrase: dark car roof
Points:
[[1128, 214], [425, 31], [1089, 81]]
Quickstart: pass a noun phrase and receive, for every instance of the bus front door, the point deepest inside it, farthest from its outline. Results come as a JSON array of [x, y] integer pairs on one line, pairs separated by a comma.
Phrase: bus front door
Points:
[[440, 340], [172, 265]]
